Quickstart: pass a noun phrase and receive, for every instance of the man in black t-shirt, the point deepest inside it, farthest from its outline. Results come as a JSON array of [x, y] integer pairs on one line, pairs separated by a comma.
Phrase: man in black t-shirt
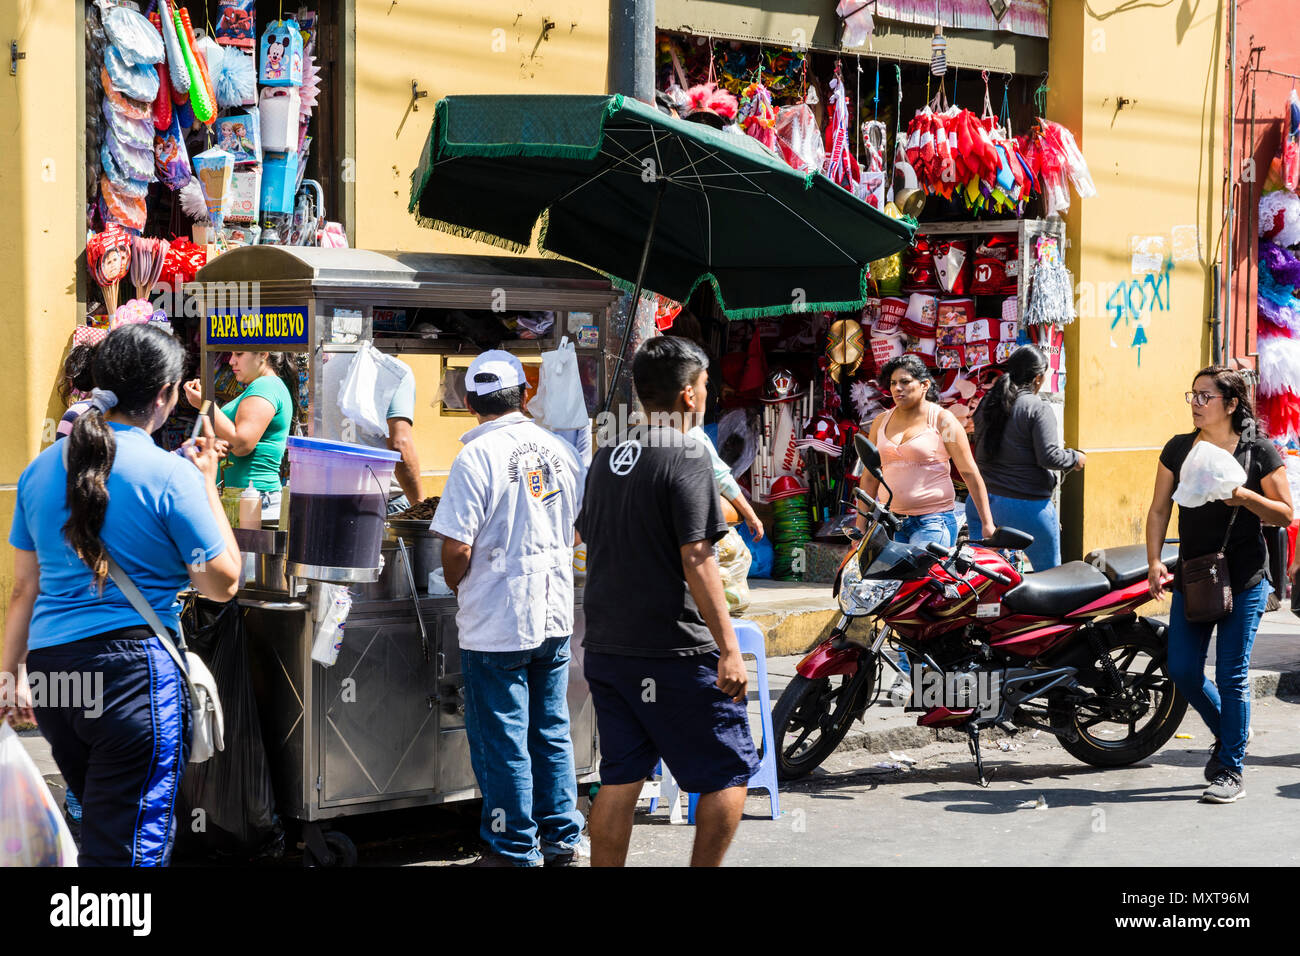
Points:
[[660, 656]]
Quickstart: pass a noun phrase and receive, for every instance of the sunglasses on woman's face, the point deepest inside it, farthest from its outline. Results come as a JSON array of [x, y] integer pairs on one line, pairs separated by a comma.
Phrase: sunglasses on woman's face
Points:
[[1200, 399]]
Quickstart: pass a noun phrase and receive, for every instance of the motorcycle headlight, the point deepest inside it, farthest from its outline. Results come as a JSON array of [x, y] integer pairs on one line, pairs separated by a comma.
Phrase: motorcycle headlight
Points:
[[859, 597]]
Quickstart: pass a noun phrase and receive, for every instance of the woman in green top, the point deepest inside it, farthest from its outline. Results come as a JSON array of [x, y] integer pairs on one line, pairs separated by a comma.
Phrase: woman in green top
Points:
[[256, 423]]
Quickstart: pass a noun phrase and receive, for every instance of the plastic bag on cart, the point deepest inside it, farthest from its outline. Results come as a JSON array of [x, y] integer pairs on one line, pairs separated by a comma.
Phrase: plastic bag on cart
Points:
[[32, 831], [559, 404], [368, 389], [227, 805]]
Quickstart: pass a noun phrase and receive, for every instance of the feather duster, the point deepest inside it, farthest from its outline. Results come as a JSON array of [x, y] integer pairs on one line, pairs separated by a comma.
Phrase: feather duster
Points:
[[1283, 264], [1277, 304], [1279, 364], [1280, 415], [710, 99], [193, 203], [236, 80], [1279, 217]]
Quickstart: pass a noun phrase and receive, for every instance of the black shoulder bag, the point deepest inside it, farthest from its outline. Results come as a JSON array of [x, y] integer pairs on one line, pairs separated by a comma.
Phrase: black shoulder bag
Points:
[[1207, 589]]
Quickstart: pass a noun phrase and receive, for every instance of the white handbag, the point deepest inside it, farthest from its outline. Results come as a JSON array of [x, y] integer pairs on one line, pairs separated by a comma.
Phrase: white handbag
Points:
[[207, 727]]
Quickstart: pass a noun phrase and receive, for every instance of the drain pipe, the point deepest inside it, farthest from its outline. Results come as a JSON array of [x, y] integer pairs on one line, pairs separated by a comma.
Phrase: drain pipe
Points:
[[632, 48], [1231, 182]]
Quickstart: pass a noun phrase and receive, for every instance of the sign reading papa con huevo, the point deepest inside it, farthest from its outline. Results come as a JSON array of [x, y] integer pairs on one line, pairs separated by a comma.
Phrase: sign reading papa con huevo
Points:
[[258, 327]]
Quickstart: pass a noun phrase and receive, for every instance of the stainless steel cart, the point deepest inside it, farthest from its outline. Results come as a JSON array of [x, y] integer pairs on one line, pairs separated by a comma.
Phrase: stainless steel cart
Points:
[[384, 727]]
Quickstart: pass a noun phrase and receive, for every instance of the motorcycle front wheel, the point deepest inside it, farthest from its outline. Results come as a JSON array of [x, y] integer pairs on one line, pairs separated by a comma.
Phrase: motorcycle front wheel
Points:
[[1108, 736], [813, 715]]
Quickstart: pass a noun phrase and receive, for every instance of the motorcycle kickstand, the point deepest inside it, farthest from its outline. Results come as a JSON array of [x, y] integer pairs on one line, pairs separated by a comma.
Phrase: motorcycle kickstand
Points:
[[974, 744]]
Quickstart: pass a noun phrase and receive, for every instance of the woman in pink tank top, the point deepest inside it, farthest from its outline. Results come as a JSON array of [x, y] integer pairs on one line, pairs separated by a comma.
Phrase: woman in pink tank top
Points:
[[918, 440]]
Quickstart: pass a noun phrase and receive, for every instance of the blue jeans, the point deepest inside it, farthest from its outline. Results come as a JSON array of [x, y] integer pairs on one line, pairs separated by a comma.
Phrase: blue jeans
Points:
[[1036, 516], [517, 718], [1224, 703], [941, 528]]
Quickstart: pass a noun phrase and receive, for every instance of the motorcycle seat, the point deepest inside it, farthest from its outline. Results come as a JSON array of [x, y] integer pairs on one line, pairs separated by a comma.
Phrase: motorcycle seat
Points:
[[1128, 565], [1057, 591]]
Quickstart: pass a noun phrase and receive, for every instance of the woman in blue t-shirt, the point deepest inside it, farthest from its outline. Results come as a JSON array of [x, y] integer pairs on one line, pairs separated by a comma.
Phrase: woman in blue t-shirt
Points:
[[107, 696]]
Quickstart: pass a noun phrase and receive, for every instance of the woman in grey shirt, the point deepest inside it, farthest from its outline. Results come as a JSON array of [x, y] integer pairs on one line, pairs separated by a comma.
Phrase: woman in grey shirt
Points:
[[1017, 448]]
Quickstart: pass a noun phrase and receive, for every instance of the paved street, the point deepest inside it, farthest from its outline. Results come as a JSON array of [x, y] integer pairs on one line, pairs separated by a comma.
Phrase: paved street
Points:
[[853, 813]]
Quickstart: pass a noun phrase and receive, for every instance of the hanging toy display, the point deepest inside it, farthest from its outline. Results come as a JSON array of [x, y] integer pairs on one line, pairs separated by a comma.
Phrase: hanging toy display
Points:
[[844, 348], [281, 60], [108, 255], [841, 167], [758, 115], [1051, 293], [203, 101]]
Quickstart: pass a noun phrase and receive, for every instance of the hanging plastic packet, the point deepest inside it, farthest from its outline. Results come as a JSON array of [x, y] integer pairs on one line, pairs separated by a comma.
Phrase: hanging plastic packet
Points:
[[329, 632]]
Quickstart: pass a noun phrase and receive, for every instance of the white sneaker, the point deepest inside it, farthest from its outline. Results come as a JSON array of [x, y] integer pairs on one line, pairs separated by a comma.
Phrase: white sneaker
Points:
[[900, 691]]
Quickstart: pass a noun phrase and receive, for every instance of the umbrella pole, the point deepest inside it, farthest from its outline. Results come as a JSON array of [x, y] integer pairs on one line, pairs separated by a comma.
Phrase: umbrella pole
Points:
[[636, 295]]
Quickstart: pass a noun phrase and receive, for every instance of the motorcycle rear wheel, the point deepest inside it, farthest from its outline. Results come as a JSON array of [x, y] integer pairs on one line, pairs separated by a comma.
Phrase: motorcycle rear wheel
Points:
[[811, 718], [1108, 741]]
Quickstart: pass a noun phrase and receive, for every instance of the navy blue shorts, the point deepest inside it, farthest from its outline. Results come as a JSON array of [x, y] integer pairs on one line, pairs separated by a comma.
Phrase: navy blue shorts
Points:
[[649, 708], [122, 749]]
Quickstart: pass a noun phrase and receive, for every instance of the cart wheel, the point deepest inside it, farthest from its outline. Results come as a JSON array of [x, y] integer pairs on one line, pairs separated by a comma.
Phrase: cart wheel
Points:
[[341, 848]]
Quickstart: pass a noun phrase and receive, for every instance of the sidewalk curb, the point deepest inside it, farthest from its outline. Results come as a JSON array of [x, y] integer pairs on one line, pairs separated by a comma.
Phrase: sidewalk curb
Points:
[[1262, 684]]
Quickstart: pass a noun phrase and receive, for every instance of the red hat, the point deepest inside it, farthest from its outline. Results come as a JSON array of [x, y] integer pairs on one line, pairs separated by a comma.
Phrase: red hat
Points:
[[786, 487]]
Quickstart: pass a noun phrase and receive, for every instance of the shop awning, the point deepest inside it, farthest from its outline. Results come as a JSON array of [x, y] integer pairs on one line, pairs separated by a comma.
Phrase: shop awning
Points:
[[1016, 44], [288, 273]]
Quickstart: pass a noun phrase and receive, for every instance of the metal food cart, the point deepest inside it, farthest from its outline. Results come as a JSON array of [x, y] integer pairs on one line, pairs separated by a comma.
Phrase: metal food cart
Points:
[[383, 727]]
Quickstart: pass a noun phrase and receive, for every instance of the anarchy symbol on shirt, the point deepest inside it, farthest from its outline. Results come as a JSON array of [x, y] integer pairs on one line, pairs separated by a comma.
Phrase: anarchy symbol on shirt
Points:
[[625, 457]]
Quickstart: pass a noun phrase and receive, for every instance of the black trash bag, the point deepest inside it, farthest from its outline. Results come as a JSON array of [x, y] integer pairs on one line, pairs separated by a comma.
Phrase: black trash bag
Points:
[[227, 803]]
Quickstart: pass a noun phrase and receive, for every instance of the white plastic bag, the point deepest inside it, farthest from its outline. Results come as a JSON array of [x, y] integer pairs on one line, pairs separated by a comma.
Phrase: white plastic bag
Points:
[[337, 601], [734, 560], [368, 389], [857, 20], [32, 831], [559, 404], [1208, 474]]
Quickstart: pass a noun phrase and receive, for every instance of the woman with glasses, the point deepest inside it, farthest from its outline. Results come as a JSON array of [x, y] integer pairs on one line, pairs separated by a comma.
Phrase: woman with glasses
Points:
[[1017, 445], [918, 441], [1222, 414]]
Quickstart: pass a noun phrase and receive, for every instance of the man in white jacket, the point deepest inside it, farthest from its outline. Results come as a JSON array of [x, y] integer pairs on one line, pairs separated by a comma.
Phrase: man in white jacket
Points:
[[506, 518]]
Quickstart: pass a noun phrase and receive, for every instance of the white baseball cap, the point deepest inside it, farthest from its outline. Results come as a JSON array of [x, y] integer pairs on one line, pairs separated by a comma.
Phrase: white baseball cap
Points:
[[504, 369]]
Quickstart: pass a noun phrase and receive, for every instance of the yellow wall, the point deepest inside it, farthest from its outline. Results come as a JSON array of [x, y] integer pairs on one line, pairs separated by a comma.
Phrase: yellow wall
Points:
[[40, 193], [1157, 164], [451, 47]]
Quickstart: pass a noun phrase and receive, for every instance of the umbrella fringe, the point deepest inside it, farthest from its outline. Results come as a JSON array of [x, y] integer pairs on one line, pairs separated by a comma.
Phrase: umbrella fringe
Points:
[[439, 149], [478, 235], [757, 312]]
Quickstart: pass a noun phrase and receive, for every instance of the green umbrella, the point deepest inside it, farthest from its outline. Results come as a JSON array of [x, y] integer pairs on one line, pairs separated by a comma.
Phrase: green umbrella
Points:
[[655, 202]]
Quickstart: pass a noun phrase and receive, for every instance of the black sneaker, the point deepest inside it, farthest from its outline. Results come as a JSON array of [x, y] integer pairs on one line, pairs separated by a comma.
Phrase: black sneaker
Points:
[[1226, 788], [1214, 765]]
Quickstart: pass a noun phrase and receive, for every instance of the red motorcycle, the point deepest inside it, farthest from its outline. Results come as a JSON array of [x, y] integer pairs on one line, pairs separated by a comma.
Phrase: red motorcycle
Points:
[[1061, 650]]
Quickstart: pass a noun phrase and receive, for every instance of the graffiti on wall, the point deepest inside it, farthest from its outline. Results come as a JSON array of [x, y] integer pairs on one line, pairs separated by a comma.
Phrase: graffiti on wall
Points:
[[1135, 302]]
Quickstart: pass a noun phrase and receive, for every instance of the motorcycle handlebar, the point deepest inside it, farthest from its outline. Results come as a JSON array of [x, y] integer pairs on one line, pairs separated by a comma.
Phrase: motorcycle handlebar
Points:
[[993, 575]]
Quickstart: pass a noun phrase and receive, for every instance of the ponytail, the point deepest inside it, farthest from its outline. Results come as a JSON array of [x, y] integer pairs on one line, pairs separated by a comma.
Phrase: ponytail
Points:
[[1019, 371], [92, 447], [134, 363]]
